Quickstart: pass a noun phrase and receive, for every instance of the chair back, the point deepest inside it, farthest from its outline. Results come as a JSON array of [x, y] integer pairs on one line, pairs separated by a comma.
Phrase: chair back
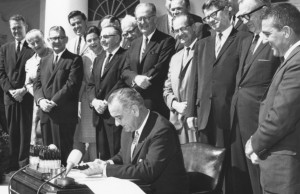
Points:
[[203, 164]]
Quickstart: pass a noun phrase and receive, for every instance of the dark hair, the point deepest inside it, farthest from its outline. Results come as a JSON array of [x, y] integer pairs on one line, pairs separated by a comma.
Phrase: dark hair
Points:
[[17, 17], [284, 14], [219, 4], [151, 5], [187, 3], [127, 97], [76, 13], [92, 29], [58, 29], [112, 20], [189, 18]]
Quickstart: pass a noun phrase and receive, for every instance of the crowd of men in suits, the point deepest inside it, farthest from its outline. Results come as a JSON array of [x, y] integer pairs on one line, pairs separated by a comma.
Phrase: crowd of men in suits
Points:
[[229, 79]]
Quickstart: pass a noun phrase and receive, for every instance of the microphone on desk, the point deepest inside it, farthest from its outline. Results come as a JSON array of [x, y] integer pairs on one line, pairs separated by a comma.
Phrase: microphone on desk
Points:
[[73, 159]]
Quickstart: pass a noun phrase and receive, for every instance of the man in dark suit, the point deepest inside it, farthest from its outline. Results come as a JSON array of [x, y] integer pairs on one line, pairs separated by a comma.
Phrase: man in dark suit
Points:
[[275, 145], [18, 102], [257, 67], [105, 78], [148, 58], [56, 91], [215, 64], [150, 149]]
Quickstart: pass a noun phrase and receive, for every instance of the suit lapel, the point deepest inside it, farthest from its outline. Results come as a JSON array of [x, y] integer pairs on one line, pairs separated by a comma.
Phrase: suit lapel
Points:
[[12, 49], [227, 43], [151, 43], [211, 49], [249, 65], [147, 129]]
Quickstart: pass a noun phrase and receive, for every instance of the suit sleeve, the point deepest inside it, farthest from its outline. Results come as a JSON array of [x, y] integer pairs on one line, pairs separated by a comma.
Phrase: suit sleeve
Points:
[[160, 152], [72, 85], [5, 83], [283, 116], [168, 93]]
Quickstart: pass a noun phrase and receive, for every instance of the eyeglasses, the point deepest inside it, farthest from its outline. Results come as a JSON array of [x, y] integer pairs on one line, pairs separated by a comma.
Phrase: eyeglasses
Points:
[[212, 15], [182, 29], [248, 15], [126, 33], [57, 38], [144, 18], [107, 36]]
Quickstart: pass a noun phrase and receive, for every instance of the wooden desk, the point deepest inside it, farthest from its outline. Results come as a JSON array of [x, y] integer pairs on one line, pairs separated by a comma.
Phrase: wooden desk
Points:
[[23, 183]]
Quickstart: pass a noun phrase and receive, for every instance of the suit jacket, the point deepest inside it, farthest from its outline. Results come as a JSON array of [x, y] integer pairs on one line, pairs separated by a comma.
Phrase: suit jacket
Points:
[[240, 26], [101, 87], [12, 70], [214, 79], [154, 64], [60, 83], [157, 158], [276, 140], [72, 45], [253, 79], [178, 84]]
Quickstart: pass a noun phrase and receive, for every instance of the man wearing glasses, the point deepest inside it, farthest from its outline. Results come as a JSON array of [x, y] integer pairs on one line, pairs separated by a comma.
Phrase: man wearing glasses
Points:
[[214, 68], [257, 67], [178, 83], [105, 78], [56, 91], [130, 31], [148, 58]]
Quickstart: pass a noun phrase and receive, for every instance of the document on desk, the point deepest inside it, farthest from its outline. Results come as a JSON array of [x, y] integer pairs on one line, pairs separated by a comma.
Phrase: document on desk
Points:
[[106, 185]]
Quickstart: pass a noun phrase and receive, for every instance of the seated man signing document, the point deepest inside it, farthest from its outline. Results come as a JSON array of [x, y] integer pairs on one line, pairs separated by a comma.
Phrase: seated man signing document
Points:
[[150, 149]]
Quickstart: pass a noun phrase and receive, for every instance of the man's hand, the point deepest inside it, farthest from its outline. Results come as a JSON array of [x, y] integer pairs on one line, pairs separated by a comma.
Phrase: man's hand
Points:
[[249, 149], [254, 158], [99, 105], [180, 107], [18, 94], [142, 81], [95, 167], [191, 122], [46, 105]]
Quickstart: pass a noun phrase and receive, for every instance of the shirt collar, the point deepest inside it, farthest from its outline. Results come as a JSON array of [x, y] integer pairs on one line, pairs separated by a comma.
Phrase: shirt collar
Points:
[[113, 52], [149, 36], [226, 32], [192, 44], [289, 51], [140, 129], [59, 54], [21, 45]]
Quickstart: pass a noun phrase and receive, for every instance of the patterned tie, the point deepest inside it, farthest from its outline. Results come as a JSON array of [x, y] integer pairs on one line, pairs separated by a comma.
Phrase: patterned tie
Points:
[[107, 59], [254, 43], [134, 142], [78, 46], [218, 43]]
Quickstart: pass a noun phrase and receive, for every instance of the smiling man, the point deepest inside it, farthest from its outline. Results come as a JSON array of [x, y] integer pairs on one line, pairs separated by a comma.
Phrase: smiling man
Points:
[[178, 83], [275, 145], [148, 58], [56, 91], [77, 20], [105, 78], [18, 102]]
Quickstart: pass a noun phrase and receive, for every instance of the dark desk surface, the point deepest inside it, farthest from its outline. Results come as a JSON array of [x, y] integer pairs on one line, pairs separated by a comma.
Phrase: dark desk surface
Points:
[[24, 183]]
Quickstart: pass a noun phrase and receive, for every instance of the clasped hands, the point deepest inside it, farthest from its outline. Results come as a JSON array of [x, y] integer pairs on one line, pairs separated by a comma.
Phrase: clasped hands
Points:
[[18, 94], [95, 167], [99, 105], [46, 105], [142, 81]]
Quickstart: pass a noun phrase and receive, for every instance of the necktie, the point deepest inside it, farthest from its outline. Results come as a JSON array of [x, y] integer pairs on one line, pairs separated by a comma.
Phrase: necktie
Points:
[[187, 52], [144, 45], [18, 48], [218, 43], [106, 61], [254, 43], [78, 46], [55, 62], [134, 142]]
